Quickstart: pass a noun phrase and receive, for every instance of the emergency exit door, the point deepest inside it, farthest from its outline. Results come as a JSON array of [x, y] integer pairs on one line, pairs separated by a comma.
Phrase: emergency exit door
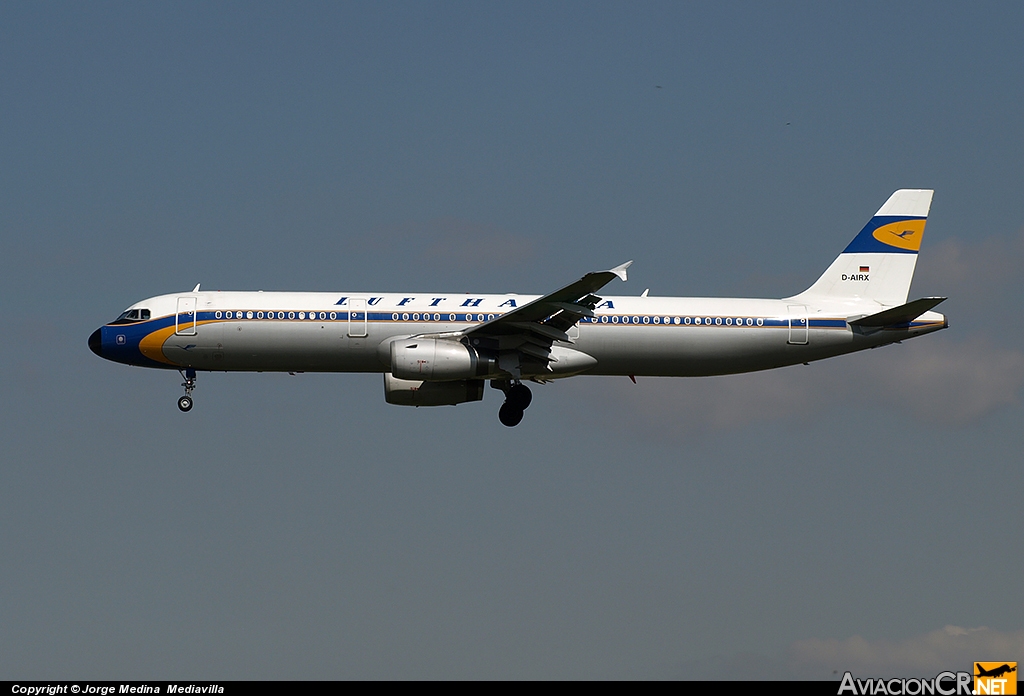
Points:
[[357, 318]]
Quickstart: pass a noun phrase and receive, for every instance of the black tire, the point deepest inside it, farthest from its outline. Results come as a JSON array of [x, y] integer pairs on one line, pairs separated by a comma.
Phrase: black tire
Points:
[[509, 415], [185, 404], [519, 396]]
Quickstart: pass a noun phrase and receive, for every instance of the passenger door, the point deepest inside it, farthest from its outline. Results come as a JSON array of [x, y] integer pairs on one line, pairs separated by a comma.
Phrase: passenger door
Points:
[[798, 324], [185, 319]]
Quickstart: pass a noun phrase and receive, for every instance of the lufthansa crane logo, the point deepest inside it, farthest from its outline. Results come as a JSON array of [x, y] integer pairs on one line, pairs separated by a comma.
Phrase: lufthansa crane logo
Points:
[[902, 234]]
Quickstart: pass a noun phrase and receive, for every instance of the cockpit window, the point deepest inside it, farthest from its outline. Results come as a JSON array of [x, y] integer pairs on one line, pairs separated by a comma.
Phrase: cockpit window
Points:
[[130, 316]]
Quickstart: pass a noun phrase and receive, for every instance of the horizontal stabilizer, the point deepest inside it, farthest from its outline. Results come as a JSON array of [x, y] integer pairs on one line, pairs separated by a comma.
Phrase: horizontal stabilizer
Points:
[[904, 314]]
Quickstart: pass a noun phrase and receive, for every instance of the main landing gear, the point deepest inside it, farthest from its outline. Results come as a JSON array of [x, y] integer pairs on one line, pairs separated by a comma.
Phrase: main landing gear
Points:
[[517, 399], [185, 402]]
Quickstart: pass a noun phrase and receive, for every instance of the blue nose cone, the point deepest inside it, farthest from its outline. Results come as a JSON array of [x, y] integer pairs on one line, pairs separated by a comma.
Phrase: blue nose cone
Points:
[[96, 343]]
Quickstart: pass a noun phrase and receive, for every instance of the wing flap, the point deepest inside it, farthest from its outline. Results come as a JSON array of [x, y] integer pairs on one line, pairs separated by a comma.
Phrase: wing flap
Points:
[[543, 307], [527, 333], [544, 330], [536, 352], [573, 308]]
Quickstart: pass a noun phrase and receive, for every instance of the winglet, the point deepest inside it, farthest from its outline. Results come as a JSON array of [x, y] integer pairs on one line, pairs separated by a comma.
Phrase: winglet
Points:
[[196, 288], [620, 271]]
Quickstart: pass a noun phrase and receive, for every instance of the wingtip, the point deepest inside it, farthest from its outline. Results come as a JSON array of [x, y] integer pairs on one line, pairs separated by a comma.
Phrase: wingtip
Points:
[[620, 271]]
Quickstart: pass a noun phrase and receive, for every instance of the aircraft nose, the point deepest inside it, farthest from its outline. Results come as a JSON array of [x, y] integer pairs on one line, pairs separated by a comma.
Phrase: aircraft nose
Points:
[[96, 343]]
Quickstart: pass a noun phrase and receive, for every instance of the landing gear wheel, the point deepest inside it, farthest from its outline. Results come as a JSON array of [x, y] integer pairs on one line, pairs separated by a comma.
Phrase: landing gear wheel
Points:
[[509, 415], [185, 402], [520, 396]]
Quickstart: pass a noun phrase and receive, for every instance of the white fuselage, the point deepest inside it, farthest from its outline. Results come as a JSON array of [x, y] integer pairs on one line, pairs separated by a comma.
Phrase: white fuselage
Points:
[[350, 332]]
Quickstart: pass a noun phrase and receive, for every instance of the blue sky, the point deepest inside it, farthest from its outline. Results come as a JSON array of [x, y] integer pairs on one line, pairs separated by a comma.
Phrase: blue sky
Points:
[[795, 522]]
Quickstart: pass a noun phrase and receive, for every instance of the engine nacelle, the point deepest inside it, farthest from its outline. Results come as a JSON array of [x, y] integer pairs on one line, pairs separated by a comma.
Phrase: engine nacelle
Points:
[[437, 360], [405, 392]]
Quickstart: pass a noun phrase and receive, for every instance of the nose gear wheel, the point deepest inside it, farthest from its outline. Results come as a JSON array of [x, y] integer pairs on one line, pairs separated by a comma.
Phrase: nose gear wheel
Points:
[[185, 403]]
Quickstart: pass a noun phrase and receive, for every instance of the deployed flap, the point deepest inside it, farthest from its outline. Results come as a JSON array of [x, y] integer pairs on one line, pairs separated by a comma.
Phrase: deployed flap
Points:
[[523, 338], [574, 300], [904, 314]]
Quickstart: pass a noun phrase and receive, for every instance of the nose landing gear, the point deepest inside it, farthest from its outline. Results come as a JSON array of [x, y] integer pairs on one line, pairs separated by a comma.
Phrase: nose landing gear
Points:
[[517, 400], [185, 402]]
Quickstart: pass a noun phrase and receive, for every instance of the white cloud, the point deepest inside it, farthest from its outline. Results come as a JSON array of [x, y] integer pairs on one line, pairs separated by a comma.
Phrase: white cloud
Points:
[[971, 269], [955, 383], [950, 648], [929, 378]]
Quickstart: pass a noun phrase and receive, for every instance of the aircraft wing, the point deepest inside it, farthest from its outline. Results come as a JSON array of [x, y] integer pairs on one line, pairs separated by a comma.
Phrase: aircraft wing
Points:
[[526, 333]]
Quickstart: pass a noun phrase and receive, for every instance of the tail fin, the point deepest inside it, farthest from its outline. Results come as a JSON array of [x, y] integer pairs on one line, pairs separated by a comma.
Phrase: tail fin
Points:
[[878, 264]]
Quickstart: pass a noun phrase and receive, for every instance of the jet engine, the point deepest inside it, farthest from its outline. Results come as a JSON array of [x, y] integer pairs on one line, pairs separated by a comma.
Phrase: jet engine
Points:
[[438, 359], [405, 392]]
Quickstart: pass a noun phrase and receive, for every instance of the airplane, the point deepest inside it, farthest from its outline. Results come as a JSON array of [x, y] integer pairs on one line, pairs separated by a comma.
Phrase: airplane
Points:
[[440, 348], [995, 672]]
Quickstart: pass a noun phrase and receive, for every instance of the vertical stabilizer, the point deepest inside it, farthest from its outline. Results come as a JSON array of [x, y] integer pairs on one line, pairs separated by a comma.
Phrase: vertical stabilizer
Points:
[[878, 264]]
